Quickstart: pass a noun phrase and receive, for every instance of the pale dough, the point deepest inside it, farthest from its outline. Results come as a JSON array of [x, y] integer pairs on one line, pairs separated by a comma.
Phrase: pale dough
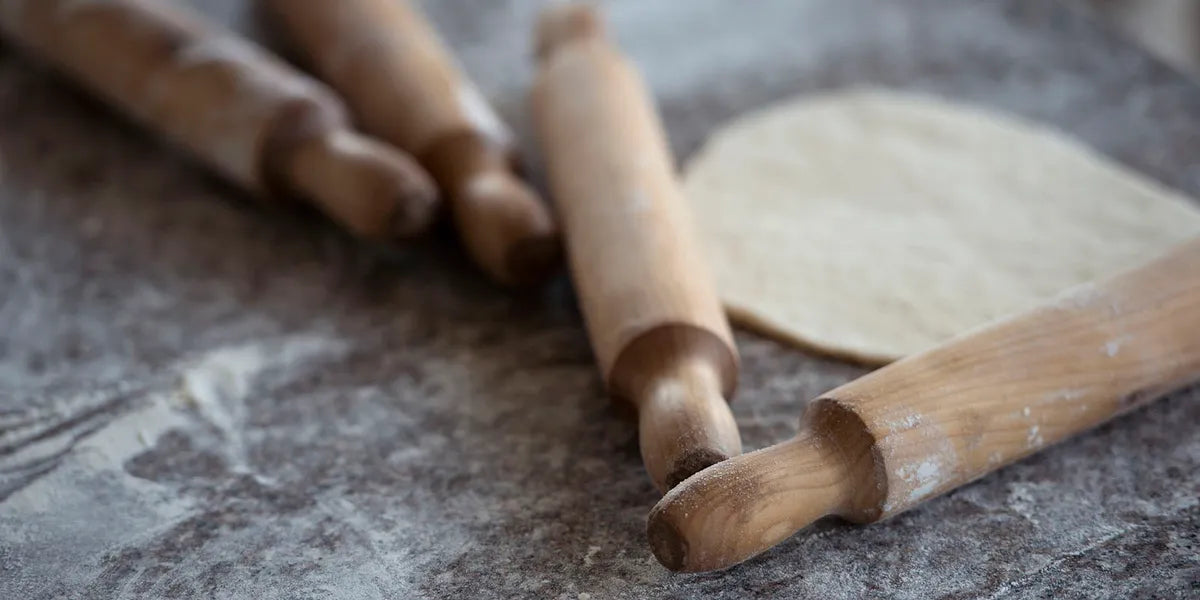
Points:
[[875, 224]]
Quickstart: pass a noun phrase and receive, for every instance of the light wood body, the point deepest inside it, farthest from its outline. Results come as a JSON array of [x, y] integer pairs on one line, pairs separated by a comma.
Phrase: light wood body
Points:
[[935, 421], [403, 85], [656, 326], [250, 117]]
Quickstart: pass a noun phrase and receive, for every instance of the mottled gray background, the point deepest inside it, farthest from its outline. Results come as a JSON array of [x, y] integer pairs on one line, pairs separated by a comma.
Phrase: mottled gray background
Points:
[[203, 399]]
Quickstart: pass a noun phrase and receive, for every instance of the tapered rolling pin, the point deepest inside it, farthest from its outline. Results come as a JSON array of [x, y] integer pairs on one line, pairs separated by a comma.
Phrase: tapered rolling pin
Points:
[[655, 323], [403, 86], [250, 117], [937, 420]]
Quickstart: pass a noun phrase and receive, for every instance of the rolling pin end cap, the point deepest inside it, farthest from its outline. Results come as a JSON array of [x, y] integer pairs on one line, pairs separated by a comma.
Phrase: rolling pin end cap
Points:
[[562, 23], [684, 428], [416, 210], [667, 545], [405, 193], [372, 189], [677, 375], [415, 200], [738, 508], [507, 229]]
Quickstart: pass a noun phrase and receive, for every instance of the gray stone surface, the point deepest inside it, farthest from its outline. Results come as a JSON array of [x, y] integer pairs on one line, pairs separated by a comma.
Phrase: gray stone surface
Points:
[[203, 399]]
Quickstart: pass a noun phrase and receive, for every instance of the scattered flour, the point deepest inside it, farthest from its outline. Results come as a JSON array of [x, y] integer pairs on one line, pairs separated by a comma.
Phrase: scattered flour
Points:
[[1082, 296], [59, 508], [213, 389], [216, 386], [1034, 439], [1021, 500], [910, 421], [1065, 395], [924, 478], [1113, 346], [928, 477]]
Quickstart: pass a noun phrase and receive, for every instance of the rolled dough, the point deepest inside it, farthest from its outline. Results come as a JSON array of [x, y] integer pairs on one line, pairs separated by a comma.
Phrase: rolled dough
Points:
[[874, 224]]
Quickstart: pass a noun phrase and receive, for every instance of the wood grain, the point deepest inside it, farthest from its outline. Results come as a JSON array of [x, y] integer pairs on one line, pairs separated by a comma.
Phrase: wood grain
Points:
[[653, 317], [937, 420], [404, 86], [247, 115]]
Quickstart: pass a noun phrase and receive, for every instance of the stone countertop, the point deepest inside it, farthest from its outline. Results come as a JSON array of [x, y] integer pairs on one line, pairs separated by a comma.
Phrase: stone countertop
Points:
[[204, 399]]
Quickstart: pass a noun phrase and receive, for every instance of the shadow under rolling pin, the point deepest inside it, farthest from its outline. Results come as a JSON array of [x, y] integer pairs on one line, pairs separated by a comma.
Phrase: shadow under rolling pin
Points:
[[247, 115], [656, 326], [937, 420], [404, 86]]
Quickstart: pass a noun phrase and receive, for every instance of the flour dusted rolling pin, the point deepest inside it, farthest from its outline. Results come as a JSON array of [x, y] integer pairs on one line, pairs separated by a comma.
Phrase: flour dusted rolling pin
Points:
[[655, 324], [250, 117], [932, 422], [404, 86]]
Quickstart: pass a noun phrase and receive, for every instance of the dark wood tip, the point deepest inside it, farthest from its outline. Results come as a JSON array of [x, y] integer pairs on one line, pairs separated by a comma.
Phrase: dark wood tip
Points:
[[693, 462], [417, 206], [563, 23], [665, 542], [534, 259]]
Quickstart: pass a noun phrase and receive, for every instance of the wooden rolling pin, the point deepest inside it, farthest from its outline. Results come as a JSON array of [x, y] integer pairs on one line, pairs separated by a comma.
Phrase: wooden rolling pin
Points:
[[250, 117], [403, 86], [937, 420], [660, 337]]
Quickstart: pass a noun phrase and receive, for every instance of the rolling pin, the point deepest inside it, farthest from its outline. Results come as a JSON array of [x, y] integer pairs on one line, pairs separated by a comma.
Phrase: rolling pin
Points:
[[656, 326], [403, 85], [248, 116], [939, 419]]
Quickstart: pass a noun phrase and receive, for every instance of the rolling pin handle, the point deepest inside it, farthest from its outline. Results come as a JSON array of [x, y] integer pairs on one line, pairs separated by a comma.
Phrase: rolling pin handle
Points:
[[764, 496], [684, 424], [927, 424], [653, 317], [505, 229], [500, 219], [372, 189], [560, 25]]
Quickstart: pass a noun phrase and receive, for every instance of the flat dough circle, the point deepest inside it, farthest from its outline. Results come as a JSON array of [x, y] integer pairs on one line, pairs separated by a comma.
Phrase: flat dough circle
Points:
[[874, 224]]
